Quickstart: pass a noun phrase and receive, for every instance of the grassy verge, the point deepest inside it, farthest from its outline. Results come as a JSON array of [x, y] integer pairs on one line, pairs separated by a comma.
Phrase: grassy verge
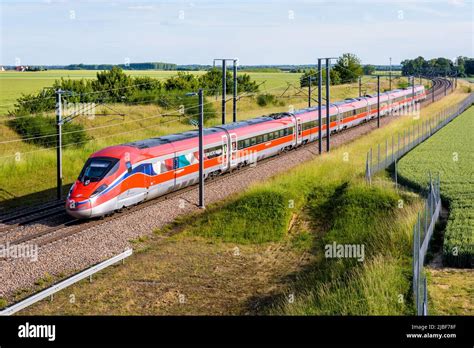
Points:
[[451, 291], [451, 153], [377, 281]]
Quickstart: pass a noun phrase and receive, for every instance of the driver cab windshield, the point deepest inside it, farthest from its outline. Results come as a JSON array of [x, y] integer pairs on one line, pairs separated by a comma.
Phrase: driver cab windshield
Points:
[[97, 168]]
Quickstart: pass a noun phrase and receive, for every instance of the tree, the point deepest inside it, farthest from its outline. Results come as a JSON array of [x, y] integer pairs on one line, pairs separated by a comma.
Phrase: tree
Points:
[[183, 81], [369, 69], [460, 66], [469, 66], [348, 68], [433, 67], [334, 78], [115, 82], [212, 82]]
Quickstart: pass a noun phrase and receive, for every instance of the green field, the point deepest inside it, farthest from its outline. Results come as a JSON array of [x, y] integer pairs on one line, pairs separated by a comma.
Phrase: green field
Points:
[[13, 84], [451, 153]]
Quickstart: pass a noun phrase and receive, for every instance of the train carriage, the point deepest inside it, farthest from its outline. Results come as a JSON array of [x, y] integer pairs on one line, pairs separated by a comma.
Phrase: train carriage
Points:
[[127, 174]]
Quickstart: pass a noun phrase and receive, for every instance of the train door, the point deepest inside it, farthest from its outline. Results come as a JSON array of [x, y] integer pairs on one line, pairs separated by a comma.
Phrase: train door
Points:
[[225, 153], [233, 150], [134, 187], [339, 120], [186, 164], [147, 167], [299, 131]]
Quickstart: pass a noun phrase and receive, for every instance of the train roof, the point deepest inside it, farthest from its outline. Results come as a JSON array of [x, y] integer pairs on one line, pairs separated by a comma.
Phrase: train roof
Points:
[[172, 138], [167, 139]]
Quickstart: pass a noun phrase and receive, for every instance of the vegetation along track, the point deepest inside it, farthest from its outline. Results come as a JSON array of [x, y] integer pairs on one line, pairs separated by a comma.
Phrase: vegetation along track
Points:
[[70, 226]]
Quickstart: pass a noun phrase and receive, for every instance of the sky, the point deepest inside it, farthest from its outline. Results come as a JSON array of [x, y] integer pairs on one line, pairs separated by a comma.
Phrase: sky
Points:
[[257, 32]]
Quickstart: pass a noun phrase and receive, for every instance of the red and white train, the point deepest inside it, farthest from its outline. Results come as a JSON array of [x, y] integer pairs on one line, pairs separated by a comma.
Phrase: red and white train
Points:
[[127, 174]]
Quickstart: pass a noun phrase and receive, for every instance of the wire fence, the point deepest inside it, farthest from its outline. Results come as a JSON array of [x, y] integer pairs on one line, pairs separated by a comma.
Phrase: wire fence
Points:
[[393, 149], [422, 233]]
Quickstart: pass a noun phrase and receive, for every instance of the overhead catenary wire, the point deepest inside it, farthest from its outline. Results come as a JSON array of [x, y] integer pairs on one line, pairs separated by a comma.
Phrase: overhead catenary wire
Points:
[[103, 137], [124, 122], [110, 135], [138, 120]]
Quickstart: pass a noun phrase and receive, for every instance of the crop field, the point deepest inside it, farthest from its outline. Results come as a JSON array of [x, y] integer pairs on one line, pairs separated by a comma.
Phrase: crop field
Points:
[[19, 160], [451, 153], [13, 84]]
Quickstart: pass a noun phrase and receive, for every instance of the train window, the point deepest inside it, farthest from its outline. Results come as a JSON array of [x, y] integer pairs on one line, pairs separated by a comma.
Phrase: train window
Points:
[[186, 159], [240, 145], [308, 125], [97, 168], [114, 169], [265, 138], [270, 136], [253, 141], [163, 166], [276, 134], [246, 143], [213, 152]]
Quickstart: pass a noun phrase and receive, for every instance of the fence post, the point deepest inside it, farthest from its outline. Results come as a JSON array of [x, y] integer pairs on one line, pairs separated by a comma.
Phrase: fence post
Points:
[[419, 134], [404, 140], [386, 152], [439, 188], [378, 156], [367, 170], [392, 148], [420, 266], [370, 165], [396, 174], [425, 297], [398, 150], [414, 259]]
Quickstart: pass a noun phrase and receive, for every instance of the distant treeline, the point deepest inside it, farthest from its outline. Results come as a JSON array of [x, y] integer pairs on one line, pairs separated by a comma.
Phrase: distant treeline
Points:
[[462, 67], [130, 66]]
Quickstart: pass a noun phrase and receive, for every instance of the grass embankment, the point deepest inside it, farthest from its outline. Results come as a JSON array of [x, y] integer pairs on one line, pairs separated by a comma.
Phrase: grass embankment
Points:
[[321, 212], [451, 153], [285, 220], [450, 291], [20, 162]]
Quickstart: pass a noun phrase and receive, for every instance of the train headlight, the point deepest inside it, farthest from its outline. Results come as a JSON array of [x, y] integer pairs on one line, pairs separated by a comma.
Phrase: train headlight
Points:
[[99, 190]]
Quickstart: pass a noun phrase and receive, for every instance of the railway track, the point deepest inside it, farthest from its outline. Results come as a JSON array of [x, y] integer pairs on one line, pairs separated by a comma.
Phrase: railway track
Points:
[[73, 226], [441, 87], [19, 214]]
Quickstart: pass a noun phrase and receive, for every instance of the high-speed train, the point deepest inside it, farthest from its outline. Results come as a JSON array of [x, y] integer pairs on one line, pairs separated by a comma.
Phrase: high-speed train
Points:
[[127, 174]]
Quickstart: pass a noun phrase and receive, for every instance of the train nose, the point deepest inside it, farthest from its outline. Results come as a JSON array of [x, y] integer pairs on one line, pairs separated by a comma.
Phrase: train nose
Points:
[[80, 209]]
